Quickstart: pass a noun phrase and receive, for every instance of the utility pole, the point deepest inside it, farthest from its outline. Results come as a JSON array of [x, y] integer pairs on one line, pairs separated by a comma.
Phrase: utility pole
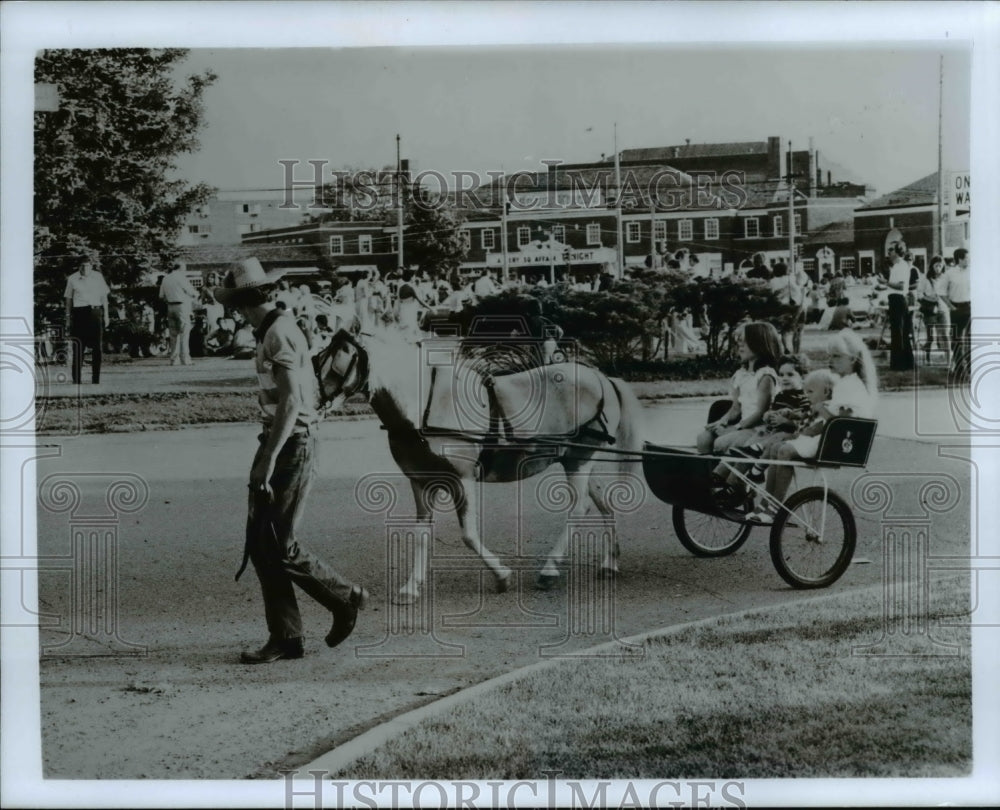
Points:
[[791, 216], [652, 233], [618, 210], [503, 227], [939, 234], [399, 209]]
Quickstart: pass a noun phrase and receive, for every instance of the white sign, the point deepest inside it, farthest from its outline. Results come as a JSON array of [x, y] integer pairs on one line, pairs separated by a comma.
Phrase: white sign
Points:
[[957, 193], [548, 257]]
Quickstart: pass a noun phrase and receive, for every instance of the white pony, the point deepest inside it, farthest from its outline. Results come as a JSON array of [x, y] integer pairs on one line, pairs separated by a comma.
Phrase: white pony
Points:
[[452, 427]]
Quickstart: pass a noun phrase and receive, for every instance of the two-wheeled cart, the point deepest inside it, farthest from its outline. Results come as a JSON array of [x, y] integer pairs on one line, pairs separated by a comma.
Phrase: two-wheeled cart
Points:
[[813, 535]]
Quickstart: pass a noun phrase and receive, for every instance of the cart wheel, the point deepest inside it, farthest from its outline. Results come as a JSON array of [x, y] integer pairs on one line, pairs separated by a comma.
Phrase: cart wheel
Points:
[[708, 536], [813, 538]]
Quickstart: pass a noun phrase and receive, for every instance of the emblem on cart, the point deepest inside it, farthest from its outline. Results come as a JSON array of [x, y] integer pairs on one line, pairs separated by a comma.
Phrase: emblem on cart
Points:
[[847, 445]]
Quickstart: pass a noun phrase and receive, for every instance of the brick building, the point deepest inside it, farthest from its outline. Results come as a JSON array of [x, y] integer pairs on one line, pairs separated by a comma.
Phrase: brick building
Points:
[[909, 214]]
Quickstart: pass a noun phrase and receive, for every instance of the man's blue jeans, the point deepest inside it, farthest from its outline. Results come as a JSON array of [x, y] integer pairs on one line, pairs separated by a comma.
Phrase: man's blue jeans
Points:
[[277, 555]]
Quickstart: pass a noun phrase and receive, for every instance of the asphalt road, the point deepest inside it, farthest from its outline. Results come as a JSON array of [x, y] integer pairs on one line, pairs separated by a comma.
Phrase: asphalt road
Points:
[[173, 701]]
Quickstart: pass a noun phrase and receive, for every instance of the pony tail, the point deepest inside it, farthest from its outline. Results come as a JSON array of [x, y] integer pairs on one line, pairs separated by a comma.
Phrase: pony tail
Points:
[[629, 435], [864, 363], [867, 372]]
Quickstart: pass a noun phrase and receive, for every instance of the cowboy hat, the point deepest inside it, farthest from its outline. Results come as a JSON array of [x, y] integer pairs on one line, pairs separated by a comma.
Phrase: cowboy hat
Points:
[[247, 275]]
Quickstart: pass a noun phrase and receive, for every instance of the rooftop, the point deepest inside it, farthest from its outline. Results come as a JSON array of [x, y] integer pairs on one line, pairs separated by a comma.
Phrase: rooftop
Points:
[[922, 192]]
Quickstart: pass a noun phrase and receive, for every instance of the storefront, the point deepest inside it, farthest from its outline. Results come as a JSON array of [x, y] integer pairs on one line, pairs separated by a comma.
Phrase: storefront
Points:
[[554, 261]]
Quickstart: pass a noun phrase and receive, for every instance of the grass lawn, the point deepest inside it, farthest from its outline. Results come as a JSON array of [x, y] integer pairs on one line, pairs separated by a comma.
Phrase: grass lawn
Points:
[[771, 694], [108, 413], [133, 412]]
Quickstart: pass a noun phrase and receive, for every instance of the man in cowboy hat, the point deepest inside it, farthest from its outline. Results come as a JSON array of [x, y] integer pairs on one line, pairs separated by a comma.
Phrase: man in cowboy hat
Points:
[[282, 472]]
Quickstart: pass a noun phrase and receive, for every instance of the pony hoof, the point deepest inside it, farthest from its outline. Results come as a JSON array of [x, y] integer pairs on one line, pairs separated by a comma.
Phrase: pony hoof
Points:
[[503, 583], [546, 582], [405, 598]]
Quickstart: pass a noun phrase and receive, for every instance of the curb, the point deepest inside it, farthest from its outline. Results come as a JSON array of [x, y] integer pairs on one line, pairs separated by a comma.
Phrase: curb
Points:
[[343, 755]]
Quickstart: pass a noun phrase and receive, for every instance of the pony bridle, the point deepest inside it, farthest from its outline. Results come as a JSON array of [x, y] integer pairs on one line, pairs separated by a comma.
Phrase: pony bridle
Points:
[[349, 377]]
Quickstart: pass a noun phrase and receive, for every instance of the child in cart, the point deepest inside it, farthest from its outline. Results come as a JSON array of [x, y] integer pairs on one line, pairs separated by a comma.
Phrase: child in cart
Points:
[[788, 409], [752, 387], [853, 391]]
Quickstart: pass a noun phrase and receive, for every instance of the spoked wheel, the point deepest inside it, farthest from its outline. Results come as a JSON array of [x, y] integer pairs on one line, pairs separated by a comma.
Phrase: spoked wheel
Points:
[[813, 538], [708, 536]]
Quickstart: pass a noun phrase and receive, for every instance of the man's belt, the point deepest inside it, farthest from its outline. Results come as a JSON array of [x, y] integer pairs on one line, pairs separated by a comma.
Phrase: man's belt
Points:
[[90, 307]]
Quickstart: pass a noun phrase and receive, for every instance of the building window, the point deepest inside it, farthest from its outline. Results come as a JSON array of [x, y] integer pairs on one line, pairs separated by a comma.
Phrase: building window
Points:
[[523, 235], [594, 233], [201, 230], [809, 265], [779, 226], [633, 232], [253, 209], [559, 233], [488, 239], [712, 228], [660, 230], [364, 244], [798, 224], [336, 245], [847, 264], [465, 237], [393, 243], [196, 282], [685, 230], [751, 227]]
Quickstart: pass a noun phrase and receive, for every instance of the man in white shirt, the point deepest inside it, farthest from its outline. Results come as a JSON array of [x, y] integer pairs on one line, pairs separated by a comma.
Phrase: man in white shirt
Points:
[[900, 320], [86, 316], [180, 296], [957, 297], [484, 286]]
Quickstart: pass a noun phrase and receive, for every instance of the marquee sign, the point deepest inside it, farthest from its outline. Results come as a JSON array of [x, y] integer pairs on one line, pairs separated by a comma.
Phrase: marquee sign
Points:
[[544, 258]]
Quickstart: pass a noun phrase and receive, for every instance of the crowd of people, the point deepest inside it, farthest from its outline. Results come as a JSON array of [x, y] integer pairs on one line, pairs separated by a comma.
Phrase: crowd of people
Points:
[[186, 323]]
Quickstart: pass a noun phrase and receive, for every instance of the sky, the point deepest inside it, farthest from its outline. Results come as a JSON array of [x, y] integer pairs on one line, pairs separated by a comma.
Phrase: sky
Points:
[[871, 110]]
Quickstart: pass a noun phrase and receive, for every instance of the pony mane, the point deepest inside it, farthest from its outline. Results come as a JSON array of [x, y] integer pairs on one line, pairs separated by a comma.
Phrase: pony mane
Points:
[[395, 369]]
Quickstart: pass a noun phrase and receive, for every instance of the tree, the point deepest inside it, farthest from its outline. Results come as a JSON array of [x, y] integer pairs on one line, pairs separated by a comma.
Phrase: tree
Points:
[[103, 162], [432, 238]]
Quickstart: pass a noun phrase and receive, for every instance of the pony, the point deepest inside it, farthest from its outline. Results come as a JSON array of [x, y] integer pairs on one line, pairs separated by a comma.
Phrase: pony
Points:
[[452, 425]]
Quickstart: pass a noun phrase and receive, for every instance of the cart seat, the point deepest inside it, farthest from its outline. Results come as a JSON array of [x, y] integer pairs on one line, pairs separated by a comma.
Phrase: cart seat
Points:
[[846, 442]]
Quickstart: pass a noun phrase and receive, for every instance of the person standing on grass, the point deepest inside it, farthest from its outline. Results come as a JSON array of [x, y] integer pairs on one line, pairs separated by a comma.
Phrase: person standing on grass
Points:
[[86, 317], [180, 296], [957, 297], [282, 472]]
